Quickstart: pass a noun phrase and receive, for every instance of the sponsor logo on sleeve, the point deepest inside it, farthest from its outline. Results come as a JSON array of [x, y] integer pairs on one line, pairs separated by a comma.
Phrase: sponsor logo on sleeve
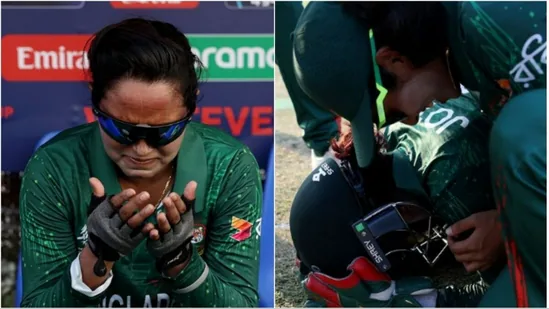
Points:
[[243, 227]]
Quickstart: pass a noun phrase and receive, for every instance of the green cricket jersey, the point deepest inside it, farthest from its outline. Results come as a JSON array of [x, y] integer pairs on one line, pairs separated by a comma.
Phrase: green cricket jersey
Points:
[[55, 195], [448, 147], [498, 48]]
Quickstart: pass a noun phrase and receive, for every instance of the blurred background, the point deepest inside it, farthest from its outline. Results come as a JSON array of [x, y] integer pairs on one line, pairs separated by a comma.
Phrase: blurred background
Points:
[[44, 90]]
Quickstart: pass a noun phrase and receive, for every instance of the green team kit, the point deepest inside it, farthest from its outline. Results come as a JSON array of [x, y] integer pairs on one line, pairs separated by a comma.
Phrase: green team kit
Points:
[[448, 148], [55, 196], [498, 52]]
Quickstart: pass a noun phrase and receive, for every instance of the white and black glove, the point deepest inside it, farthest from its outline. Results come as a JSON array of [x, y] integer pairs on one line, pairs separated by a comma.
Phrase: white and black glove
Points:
[[173, 247], [115, 227]]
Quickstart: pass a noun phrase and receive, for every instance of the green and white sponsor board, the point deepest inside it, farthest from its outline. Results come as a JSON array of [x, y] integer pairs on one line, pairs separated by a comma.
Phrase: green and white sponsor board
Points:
[[235, 57]]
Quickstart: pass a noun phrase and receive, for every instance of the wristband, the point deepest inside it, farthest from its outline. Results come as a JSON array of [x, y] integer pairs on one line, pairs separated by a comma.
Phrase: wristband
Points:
[[176, 257]]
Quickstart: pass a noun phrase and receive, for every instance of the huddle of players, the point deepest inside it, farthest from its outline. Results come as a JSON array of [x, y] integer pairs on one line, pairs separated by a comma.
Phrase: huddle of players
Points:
[[455, 148]]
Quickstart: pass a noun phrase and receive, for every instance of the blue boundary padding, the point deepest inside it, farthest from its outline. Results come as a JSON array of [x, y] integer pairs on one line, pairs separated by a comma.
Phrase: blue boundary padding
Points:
[[45, 139], [19, 282], [19, 275], [266, 255]]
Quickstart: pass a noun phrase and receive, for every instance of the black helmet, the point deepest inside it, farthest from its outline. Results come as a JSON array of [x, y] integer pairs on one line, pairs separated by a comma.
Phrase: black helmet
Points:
[[338, 214]]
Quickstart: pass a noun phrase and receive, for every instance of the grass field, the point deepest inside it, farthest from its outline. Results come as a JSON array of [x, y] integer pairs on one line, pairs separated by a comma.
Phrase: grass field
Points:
[[292, 165]]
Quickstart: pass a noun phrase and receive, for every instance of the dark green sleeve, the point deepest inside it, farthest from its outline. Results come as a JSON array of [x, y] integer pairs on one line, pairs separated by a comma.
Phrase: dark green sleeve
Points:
[[498, 48], [466, 193], [459, 177], [47, 238], [232, 252]]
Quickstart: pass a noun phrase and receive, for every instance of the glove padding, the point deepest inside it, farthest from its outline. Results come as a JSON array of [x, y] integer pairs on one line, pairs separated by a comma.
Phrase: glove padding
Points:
[[109, 238], [366, 286], [174, 247]]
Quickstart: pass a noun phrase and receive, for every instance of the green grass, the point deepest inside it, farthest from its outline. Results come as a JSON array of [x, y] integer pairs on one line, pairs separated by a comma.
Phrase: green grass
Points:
[[292, 166], [8, 299], [289, 293]]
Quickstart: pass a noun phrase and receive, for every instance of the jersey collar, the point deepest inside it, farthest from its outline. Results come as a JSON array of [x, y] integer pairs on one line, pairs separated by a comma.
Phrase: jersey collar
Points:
[[191, 165]]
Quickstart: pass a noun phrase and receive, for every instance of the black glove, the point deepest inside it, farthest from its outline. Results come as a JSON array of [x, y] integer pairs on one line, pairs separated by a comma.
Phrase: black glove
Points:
[[108, 237], [465, 296], [174, 247]]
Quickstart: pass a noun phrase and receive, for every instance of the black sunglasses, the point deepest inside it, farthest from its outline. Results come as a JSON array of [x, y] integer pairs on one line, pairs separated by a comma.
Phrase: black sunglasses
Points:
[[128, 133]]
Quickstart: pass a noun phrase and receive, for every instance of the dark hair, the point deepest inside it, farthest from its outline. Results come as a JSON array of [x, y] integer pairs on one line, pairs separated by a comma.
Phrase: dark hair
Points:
[[147, 50], [417, 30], [378, 176], [344, 148]]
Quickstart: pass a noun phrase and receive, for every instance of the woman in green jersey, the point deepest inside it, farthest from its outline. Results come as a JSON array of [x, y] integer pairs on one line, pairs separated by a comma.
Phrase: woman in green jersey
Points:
[[143, 207]]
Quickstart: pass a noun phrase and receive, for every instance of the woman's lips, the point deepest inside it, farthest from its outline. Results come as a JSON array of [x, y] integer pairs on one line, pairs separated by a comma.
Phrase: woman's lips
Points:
[[140, 162]]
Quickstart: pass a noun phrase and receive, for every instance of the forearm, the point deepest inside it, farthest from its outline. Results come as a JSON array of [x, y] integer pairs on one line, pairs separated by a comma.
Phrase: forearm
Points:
[[199, 286], [68, 290], [87, 263], [226, 275]]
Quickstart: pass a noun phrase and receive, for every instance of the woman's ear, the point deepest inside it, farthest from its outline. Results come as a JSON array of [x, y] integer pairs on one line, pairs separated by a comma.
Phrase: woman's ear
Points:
[[394, 62], [386, 57], [197, 91]]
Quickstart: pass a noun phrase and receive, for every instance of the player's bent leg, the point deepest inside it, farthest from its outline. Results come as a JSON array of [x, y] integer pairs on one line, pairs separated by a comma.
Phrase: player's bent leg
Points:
[[501, 293], [518, 160], [319, 125]]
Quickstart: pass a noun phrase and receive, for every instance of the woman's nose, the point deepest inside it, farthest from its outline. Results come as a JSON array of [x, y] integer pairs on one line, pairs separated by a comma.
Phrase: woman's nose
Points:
[[141, 148]]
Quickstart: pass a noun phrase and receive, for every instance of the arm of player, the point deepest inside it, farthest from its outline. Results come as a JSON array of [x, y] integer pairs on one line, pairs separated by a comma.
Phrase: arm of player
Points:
[[48, 241], [227, 275]]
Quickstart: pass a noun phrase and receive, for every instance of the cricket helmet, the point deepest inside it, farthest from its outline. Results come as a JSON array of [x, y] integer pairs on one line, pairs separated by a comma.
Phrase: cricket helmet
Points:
[[340, 213]]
